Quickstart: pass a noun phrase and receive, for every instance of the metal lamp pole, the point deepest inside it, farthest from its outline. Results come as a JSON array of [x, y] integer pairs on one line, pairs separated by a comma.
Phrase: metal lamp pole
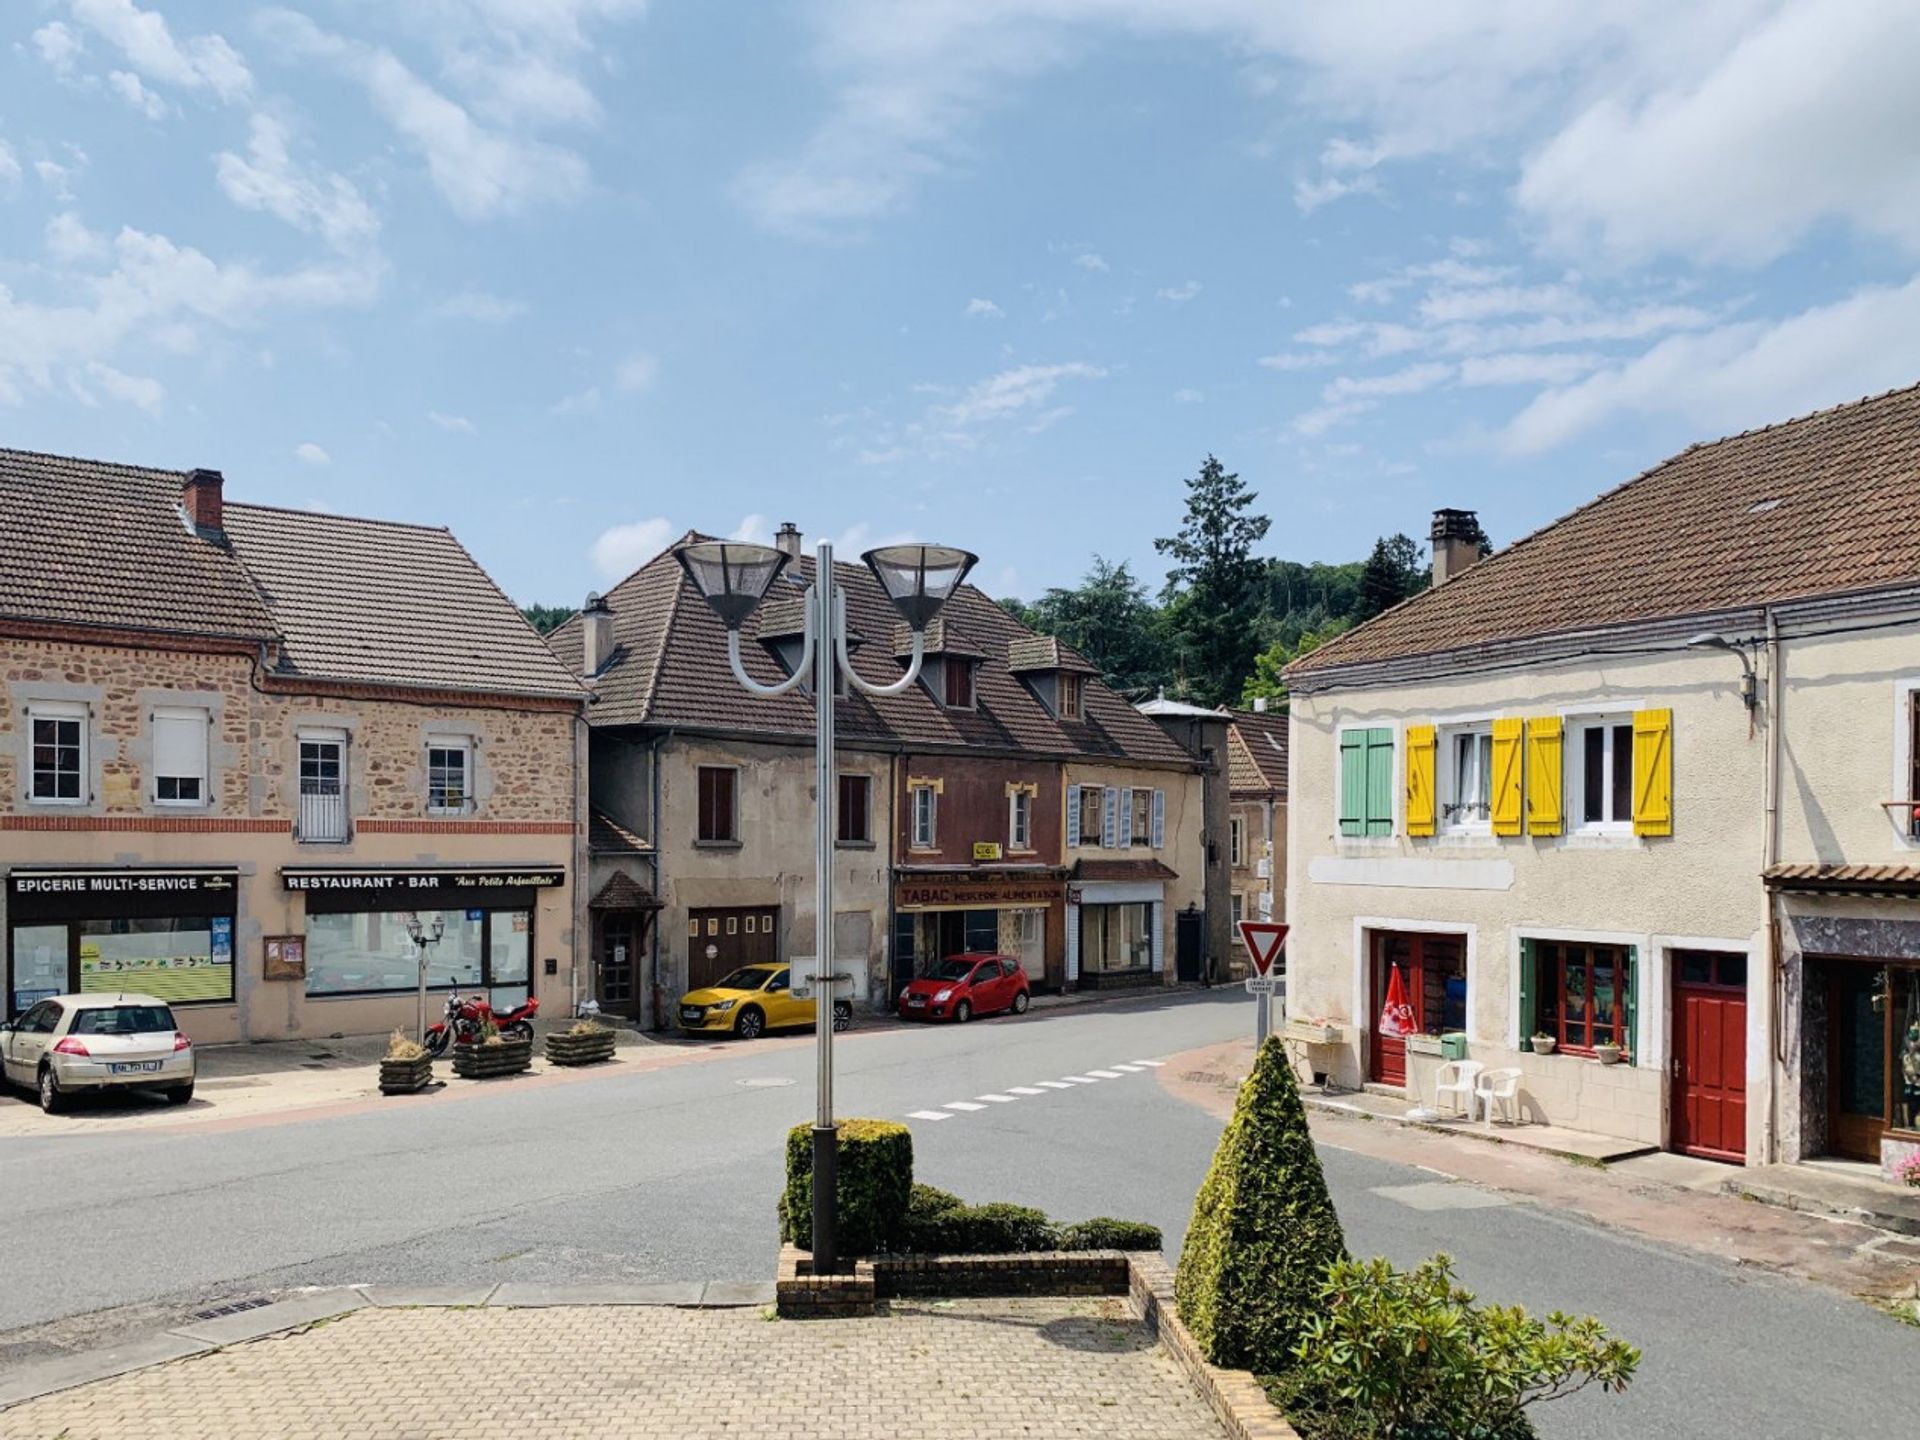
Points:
[[424, 939], [918, 579]]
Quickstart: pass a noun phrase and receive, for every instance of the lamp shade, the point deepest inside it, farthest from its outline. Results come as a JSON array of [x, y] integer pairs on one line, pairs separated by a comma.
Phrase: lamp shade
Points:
[[919, 579], [730, 575]]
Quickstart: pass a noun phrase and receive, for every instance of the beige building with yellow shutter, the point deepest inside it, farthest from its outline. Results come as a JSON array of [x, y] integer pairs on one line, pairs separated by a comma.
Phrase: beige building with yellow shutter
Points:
[[1645, 784]]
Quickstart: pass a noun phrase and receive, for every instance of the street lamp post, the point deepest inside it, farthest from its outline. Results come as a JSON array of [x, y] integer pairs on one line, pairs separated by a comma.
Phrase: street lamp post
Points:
[[424, 938], [733, 578]]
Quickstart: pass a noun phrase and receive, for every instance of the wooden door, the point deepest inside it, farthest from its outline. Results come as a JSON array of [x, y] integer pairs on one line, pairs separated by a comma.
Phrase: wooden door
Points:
[[1391, 953], [619, 963], [1857, 1060], [721, 941], [1710, 1054]]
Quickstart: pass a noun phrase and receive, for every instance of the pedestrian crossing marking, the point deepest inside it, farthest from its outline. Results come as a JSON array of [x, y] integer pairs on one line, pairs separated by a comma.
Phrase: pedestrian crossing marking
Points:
[[963, 1105], [928, 1115], [996, 1099], [1024, 1090]]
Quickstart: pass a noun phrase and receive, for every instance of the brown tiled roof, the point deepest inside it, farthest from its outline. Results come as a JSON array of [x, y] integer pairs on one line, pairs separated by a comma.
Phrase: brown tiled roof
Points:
[[382, 603], [1257, 753], [88, 543], [1857, 879], [623, 892], [607, 836], [672, 671], [943, 637], [1125, 871], [1045, 652], [1814, 506]]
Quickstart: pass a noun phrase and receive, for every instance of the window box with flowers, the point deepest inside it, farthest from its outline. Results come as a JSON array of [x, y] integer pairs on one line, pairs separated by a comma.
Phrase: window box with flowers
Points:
[[1582, 997]]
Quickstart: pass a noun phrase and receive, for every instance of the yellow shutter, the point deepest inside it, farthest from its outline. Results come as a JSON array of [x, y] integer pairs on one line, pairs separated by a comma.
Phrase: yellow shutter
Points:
[[1422, 744], [1544, 773], [1508, 786], [1653, 772]]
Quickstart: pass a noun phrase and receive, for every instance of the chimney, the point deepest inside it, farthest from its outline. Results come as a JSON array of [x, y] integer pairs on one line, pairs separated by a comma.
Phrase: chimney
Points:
[[596, 634], [787, 540], [200, 498], [1259, 704], [1456, 543]]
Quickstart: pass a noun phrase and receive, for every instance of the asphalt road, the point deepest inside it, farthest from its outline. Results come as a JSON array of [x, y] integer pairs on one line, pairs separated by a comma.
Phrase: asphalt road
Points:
[[672, 1175]]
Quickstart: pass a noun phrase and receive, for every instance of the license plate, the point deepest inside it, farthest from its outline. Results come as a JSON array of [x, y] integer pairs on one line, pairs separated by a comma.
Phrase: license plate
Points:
[[133, 1067], [693, 1017], [916, 1002]]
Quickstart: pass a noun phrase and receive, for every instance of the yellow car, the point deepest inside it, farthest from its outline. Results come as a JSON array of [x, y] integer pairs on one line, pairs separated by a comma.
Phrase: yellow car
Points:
[[751, 1001]]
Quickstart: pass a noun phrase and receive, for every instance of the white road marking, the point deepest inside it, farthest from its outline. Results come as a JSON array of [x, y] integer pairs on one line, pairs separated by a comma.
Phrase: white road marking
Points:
[[1130, 1069], [1055, 1085], [928, 1115], [1024, 1090], [1156, 1064], [1080, 1079], [996, 1099], [963, 1105], [1105, 1074]]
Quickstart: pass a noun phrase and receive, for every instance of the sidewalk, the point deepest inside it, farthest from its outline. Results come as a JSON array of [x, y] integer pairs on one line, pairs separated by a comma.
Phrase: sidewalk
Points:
[[922, 1370]]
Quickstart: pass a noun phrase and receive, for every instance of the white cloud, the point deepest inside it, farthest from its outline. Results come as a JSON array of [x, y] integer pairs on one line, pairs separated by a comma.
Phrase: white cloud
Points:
[[1552, 368], [70, 242], [978, 309], [267, 178], [622, 549], [127, 86], [478, 305], [1090, 260], [581, 402], [139, 390], [311, 454], [1323, 418], [1298, 360], [56, 177], [1410, 380], [456, 424], [1448, 306], [1021, 388], [754, 529], [9, 166], [1181, 293], [637, 373], [1186, 395], [1310, 194], [204, 62], [1375, 339], [59, 47]]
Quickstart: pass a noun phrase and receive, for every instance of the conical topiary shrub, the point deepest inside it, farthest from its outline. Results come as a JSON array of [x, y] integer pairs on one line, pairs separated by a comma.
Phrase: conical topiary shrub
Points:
[[1264, 1229]]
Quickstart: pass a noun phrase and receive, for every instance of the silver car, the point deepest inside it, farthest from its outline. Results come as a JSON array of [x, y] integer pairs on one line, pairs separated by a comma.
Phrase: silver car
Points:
[[70, 1043]]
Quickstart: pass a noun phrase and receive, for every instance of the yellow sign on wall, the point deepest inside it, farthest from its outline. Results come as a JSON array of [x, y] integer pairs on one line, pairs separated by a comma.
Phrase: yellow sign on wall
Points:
[[986, 850]]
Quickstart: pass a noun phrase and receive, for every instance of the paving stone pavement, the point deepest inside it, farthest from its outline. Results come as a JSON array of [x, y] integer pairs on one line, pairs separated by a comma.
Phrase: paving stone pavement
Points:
[[922, 1370]]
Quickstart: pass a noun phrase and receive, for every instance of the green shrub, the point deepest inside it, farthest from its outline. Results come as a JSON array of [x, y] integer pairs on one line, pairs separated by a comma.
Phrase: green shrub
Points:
[[1407, 1355], [1103, 1233], [996, 1229], [926, 1201], [1263, 1232], [873, 1180]]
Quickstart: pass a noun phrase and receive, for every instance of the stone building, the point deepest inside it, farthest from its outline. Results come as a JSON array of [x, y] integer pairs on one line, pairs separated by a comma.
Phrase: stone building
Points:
[[1257, 839], [242, 747], [951, 796]]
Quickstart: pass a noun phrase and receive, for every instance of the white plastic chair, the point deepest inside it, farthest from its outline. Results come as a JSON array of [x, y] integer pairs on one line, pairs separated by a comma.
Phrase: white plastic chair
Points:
[[1501, 1087], [1457, 1077]]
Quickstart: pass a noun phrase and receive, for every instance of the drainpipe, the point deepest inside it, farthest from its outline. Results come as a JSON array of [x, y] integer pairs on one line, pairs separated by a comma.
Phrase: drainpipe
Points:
[[891, 941], [1770, 855], [659, 879]]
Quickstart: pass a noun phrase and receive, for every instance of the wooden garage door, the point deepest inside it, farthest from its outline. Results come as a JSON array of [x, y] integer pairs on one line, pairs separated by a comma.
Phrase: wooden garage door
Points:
[[719, 941]]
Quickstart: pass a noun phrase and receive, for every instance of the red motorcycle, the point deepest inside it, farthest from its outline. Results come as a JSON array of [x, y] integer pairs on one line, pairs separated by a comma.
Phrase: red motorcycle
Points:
[[467, 1015]]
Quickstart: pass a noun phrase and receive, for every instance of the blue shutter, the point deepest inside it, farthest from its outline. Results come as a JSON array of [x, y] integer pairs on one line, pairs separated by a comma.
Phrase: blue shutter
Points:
[[1126, 819], [1156, 918], [1073, 943], [1109, 817], [1159, 819], [1073, 814]]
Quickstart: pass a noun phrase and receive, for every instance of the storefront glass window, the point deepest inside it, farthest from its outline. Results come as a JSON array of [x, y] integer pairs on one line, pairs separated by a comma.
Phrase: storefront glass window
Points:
[[1905, 1005], [181, 958], [1116, 937], [369, 951], [507, 947], [39, 964]]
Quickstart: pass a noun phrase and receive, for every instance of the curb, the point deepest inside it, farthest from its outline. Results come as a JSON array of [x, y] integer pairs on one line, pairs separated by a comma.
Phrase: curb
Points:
[[1783, 1198], [203, 1336], [1463, 1132]]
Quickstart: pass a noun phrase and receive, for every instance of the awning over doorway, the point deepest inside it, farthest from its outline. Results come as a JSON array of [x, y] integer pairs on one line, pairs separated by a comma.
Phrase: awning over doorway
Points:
[[1124, 872], [623, 892], [1845, 879]]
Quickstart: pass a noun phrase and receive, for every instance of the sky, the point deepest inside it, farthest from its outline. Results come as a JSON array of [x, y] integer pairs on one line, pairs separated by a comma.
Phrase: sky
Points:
[[572, 277]]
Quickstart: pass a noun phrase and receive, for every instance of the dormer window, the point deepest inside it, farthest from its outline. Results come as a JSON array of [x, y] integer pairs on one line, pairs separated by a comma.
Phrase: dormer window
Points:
[[1070, 696], [958, 683]]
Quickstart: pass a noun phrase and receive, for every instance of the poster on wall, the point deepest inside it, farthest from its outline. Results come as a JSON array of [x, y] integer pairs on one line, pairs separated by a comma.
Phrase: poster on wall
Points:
[[286, 958]]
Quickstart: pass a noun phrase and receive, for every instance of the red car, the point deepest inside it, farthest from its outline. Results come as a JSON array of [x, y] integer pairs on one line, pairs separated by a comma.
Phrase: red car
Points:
[[963, 986]]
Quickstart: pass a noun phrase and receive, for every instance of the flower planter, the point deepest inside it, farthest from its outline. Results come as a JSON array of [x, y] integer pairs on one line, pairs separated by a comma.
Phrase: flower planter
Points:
[[588, 1048], [1544, 1044], [1309, 1033], [488, 1062], [1424, 1045], [403, 1077], [1607, 1054]]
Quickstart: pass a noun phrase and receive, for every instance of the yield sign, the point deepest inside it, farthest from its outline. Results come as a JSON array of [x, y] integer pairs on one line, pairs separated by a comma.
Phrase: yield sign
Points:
[[1263, 939]]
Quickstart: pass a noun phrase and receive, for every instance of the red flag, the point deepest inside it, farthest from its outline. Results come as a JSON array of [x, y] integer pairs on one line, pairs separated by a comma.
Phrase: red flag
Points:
[[1396, 1016]]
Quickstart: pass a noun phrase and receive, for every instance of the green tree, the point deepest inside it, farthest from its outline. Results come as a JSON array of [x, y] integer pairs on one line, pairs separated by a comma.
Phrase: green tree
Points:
[[1266, 683], [1216, 587], [1108, 618], [1392, 572], [547, 618]]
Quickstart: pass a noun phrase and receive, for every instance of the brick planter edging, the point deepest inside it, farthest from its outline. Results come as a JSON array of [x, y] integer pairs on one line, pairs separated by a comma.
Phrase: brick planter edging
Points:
[[1238, 1400]]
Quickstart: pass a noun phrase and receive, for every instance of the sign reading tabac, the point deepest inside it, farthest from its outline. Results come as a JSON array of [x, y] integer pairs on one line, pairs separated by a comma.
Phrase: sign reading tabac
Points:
[[984, 894]]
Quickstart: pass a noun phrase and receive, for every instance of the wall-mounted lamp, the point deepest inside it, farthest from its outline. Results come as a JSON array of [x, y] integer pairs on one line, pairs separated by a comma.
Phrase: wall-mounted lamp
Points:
[[1749, 682]]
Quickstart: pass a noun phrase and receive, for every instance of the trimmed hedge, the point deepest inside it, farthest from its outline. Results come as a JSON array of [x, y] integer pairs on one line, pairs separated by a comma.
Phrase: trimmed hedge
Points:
[[997, 1229], [1263, 1232], [873, 1180], [1103, 1233]]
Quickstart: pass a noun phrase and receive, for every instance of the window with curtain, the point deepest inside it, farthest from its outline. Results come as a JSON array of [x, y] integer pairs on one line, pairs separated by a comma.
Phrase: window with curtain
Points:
[[925, 812], [1092, 803], [1581, 995], [1470, 801]]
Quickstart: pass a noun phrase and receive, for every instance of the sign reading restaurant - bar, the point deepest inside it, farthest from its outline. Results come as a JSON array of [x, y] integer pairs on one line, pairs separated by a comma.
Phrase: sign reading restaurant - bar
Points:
[[416, 882]]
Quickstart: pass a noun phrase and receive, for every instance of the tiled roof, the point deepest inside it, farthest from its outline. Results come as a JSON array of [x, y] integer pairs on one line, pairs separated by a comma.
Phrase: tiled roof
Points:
[[93, 544], [672, 671], [1045, 652], [383, 603], [1858, 879], [1125, 871], [943, 637], [623, 892], [1814, 506], [1257, 753], [607, 836]]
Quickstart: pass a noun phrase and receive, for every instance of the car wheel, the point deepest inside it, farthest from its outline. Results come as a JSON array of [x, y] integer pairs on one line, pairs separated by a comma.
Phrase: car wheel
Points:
[[51, 1100], [751, 1025], [1020, 1002], [962, 1013], [180, 1094]]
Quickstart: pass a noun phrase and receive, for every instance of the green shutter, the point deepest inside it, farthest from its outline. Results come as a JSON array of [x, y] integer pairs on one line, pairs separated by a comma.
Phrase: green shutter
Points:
[[1632, 1045], [1529, 1020], [1379, 782], [1353, 782]]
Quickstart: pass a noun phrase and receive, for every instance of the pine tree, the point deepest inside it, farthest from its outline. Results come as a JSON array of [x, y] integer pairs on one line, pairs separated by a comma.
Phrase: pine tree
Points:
[[1216, 587]]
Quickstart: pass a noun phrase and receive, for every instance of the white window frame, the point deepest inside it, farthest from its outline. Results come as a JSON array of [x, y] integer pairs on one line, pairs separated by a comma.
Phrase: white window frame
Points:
[[1458, 817], [1098, 794], [925, 803], [461, 745], [1141, 831], [1575, 780], [1020, 819], [338, 738], [201, 718], [61, 710]]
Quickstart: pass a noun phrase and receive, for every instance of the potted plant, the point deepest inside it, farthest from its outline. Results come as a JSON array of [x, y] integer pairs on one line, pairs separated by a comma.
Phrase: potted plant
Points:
[[492, 1055], [1607, 1053], [406, 1067], [1543, 1043], [1907, 1172], [586, 1043]]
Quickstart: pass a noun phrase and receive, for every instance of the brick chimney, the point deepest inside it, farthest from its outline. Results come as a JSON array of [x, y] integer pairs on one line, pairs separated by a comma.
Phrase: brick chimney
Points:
[[1456, 543], [596, 634], [200, 498], [787, 540]]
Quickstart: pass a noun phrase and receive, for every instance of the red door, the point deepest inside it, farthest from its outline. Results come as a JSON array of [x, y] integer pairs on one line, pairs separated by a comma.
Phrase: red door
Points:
[[1710, 1054], [1393, 954]]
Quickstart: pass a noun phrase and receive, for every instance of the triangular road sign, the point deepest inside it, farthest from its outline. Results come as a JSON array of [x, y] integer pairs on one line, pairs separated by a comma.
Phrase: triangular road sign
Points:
[[1263, 939]]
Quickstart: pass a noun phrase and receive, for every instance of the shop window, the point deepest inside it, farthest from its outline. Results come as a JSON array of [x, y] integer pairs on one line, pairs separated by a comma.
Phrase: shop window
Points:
[[371, 952], [1071, 696], [1469, 804], [925, 803], [958, 682], [179, 959], [449, 785], [1605, 748], [717, 821], [980, 931], [59, 753], [854, 818], [1020, 819], [180, 756], [40, 963], [1116, 937], [1584, 994]]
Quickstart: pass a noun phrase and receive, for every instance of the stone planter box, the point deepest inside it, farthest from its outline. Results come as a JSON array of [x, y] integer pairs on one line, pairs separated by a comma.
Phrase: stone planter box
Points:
[[584, 1049], [1607, 1054], [1424, 1045], [1310, 1034], [404, 1077], [487, 1062]]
